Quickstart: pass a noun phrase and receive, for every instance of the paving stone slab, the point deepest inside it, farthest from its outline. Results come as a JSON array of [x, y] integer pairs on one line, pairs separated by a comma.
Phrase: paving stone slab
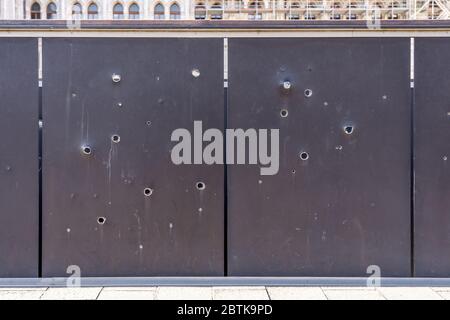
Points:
[[296, 293], [21, 294], [249, 293], [408, 293], [127, 295], [71, 294], [184, 293], [353, 294]]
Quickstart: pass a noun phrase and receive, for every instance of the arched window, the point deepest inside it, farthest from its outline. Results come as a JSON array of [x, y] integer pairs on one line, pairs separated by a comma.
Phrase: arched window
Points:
[[51, 11], [254, 14], [238, 4], [36, 11], [200, 11], [133, 11], [175, 13], [118, 11], [93, 11], [258, 4], [77, 11], [159, 12], [216, 11], [336, 5], [294, 13], [335, 16]]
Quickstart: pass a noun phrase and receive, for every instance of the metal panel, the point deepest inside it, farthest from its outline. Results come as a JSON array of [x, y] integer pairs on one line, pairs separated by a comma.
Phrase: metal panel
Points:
[[178, 229], [348, 205], [432, 153], [19, 182]]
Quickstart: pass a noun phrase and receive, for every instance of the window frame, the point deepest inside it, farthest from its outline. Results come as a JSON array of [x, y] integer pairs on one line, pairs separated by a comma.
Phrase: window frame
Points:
[[52, 15], [117, 15], [34, 14], [157, 15]]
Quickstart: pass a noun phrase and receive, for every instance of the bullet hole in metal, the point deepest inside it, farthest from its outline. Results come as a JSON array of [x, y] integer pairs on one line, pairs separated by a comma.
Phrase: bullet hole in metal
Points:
[[200, 185], [284, 113], [101, 220], [339, 147], [68, 230], [115, 138], [308, 93], [200, 209], [119, 104], [149, 123], [195, 73], [148, 192], [116, 78], [141, 247], [293, 171], [304, 156], [348, 129], [86, 150], [287, 85]]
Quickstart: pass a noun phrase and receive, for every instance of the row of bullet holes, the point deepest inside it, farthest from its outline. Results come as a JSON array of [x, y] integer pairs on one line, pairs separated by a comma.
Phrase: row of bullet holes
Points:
[[284, 113], [287, 86], [148, 192], [305, 156], [347, 129], [116, 78], [87, 150]]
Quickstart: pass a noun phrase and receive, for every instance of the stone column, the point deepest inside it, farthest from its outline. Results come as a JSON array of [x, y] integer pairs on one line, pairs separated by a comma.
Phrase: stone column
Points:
[[63, 10], [146, 10]]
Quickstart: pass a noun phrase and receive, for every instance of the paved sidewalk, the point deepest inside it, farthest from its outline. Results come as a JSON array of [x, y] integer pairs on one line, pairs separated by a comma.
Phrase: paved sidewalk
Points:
[[224, 293]]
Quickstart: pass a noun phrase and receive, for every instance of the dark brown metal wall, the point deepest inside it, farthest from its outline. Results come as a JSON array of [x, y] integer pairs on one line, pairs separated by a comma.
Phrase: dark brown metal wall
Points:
[[432, 157], [19, 182], [178, 229], [348, 205]]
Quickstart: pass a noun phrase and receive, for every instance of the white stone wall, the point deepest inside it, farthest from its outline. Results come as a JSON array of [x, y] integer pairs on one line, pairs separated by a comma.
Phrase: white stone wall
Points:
[[20, 9], [14, 9]]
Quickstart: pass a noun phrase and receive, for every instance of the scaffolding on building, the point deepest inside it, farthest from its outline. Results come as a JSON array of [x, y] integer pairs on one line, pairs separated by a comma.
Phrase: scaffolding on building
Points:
[[322, 10]]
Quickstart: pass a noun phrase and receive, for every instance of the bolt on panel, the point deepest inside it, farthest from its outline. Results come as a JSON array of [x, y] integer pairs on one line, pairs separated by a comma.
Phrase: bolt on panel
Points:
[[114, 204], [19, 158], [340, 202]]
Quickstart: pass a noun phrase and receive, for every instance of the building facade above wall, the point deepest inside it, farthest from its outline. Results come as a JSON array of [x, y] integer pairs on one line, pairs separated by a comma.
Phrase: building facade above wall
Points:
[[225, 9]]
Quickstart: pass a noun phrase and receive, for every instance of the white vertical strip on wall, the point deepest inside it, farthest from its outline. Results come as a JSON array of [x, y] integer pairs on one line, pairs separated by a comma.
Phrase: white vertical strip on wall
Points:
[[225, 62], [40, 61], [412, 63], [146, 10]]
